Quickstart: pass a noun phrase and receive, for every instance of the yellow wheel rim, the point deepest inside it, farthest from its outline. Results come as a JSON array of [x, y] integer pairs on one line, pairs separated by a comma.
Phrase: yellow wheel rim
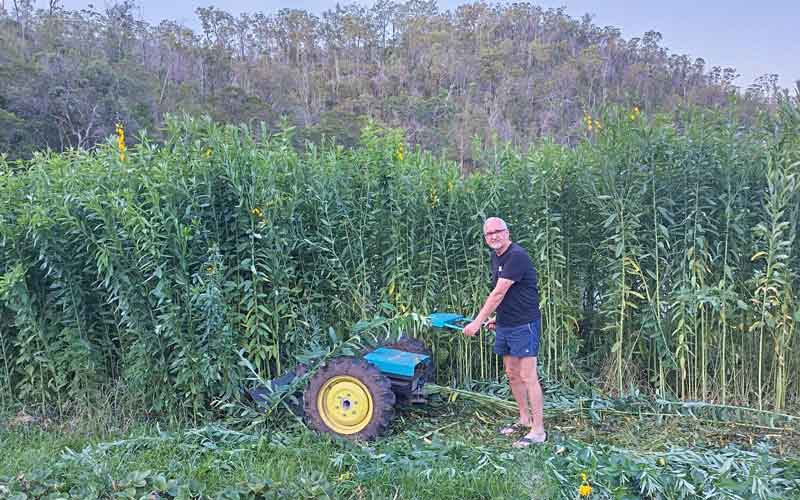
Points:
[[345, 404]]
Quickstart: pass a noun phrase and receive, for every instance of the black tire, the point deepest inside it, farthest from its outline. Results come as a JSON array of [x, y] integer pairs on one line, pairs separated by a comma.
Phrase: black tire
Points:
[[331, 385]]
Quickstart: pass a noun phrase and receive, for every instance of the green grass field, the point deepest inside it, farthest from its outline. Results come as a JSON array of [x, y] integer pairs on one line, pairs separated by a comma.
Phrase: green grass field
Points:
[[449, 448]]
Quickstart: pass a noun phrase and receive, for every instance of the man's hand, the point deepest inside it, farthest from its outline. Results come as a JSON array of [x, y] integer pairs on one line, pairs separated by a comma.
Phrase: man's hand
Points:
[[491, 323], [471, 329], [492, 301]]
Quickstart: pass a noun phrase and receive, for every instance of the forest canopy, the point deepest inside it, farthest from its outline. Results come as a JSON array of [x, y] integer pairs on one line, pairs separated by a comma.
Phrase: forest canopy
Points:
[[496, 72]]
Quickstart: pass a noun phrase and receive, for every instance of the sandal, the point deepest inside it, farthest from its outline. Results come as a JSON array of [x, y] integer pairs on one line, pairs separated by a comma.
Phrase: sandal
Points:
[[511, 429], [527, 441]]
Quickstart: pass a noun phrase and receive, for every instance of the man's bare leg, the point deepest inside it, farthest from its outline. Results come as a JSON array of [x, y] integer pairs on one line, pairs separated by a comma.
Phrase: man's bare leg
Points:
[[533, 391], [518, 389]]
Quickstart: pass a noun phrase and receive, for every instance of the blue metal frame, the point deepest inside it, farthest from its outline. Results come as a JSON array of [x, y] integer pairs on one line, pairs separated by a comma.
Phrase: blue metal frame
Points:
[[396, 362], [402, 363], [449, 320]]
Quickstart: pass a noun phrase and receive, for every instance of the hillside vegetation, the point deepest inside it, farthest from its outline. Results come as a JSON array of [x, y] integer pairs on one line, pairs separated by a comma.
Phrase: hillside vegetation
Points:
[[502, 73]]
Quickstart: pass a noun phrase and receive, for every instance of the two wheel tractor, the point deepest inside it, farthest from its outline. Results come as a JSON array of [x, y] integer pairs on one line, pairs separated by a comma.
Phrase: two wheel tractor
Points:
[[355, 397]]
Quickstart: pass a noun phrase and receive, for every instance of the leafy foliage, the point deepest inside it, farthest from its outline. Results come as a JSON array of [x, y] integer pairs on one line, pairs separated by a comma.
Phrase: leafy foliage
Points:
[[514, 72], [447, 449], [155, 269]]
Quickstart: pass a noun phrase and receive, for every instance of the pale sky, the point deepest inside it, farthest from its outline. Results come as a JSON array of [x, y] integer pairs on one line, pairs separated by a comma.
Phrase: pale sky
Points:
[[755, 37]]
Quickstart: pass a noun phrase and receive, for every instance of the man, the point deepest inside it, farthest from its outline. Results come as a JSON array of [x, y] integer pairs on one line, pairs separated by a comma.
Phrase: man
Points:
[[515, 298]]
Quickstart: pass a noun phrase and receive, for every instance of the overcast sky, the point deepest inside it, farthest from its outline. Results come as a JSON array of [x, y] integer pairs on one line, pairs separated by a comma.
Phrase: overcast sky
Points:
[[755, 37]]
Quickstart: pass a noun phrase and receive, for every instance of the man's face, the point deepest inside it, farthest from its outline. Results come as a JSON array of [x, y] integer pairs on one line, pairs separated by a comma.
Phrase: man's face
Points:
[[496, 236]]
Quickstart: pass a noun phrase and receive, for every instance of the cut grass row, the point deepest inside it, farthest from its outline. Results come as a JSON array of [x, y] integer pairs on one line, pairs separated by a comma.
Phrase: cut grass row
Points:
[[297, 461], [443, 450]]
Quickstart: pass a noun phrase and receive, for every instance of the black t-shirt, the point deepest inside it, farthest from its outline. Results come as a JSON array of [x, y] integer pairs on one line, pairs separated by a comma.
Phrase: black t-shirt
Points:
[[521, 302]]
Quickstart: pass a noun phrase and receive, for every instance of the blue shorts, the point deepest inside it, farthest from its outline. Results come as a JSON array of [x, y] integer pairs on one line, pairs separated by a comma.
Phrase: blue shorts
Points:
[[519, 341]]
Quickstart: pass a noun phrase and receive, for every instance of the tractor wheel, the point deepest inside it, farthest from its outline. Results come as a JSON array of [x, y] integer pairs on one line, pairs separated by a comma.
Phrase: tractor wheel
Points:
[[351, 398]]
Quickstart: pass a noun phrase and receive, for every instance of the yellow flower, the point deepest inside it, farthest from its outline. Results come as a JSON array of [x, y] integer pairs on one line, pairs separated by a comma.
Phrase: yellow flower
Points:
[[120, 130], [589, 122], [344, 476], [258, 214], [585, 490], [433, 197], [583, 477], [208, 152], [398, 153]]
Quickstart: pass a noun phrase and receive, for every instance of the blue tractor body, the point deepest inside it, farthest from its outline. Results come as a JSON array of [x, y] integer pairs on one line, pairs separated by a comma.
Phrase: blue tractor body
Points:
[[396, 363]]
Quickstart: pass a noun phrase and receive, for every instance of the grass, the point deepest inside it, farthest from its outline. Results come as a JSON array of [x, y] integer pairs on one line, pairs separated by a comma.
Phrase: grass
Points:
[[449, 448], [416, 461]]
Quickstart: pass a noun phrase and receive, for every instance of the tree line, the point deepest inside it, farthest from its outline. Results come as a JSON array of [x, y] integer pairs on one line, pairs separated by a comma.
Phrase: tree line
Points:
[[494, 72]]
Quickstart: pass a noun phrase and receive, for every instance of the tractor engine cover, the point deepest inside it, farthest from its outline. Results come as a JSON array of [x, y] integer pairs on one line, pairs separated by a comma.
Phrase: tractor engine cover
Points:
[[407, 371]]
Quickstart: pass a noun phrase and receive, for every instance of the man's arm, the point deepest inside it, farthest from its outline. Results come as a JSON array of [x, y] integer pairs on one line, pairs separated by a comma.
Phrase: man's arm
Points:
[[492, 301]]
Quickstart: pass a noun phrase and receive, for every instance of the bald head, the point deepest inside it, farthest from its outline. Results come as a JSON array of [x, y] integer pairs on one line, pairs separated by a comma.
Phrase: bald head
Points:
[[495, 223], [495, 231]]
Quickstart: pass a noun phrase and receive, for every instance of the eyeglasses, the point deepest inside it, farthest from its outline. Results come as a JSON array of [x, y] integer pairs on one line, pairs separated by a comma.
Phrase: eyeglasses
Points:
[[492, 233]]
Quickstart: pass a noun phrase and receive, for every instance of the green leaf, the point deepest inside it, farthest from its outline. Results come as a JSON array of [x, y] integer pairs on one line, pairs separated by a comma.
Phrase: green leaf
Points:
[[332, 335]]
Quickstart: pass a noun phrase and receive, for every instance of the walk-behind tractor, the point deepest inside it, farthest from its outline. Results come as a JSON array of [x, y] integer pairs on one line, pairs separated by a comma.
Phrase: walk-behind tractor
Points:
[[355, 397]]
